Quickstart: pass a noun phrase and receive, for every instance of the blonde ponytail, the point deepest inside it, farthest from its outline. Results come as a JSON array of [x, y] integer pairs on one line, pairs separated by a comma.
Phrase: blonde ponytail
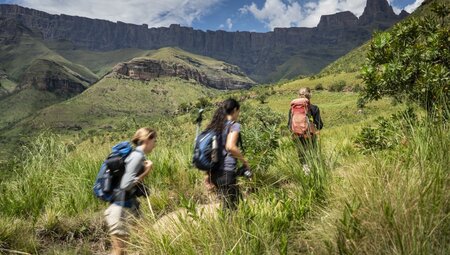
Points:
[[143, 134], [305, 92]]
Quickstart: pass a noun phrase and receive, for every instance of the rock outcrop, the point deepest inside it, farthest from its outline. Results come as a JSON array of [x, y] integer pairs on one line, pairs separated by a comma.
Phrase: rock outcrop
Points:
[[339, 20], [148, 69], [257, 54], [377, 11], [46, 75]]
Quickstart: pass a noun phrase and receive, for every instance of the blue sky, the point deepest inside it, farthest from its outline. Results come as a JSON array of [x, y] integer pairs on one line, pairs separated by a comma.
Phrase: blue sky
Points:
[[229, 15]]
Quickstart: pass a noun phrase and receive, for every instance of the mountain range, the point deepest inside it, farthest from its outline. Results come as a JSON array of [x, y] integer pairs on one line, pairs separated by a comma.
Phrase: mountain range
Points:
[[74, 73], [264, 57]]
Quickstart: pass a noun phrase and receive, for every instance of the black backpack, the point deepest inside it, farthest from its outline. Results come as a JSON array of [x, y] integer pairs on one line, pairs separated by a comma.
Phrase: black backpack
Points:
[[111, 172]]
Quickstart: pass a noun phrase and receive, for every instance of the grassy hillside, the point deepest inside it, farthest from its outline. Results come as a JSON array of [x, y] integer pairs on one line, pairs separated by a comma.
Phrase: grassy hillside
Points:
[[8, 85], [108, 103], [308, 64], [22, 104], [102, 62], [98, 62], [352, 62], [16, 58], [25, 63], [111, 100]]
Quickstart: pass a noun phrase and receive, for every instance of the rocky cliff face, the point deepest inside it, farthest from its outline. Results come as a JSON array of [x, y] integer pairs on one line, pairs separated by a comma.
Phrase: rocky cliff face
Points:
[[377, 11], [258, 54], [339, 20], [148, 69], [10, 31], [46, 75]]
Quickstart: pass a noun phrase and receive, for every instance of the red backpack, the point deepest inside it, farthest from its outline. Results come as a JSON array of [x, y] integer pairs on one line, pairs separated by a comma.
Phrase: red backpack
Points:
[[300, 124]]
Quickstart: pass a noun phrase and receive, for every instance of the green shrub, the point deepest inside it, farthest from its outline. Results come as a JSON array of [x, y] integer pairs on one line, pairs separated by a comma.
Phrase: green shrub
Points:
[[398, 201], [262, 97], [203, 102], [338, 86], [410, 62], [387, 134], [319, 87]]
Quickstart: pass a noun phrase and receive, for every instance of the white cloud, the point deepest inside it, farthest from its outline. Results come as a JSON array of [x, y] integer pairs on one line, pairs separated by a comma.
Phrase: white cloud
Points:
[[326, 7], [276, 13], [155, 13], [229, 24], [287, 13], [412, 7]]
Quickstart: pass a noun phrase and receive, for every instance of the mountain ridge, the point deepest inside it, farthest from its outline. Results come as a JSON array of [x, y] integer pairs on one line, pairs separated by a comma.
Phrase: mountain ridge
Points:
[[258, 54]]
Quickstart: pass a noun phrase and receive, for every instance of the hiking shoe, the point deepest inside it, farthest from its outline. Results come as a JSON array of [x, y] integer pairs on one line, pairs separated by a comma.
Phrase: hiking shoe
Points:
[[306, 169]]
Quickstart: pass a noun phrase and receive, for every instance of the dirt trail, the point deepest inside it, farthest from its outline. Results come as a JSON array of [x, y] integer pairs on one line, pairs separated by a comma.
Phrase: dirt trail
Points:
[[183, 215]]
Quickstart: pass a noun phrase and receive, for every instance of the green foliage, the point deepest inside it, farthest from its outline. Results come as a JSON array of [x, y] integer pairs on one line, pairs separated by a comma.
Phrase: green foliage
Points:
[[386, 134], [261, 135], [319, 87], [337, 86], [411, 62], [262, 97], [184, 107], [203, 102]]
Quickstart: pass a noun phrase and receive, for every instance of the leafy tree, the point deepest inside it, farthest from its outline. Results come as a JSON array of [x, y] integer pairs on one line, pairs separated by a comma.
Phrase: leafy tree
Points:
[[203, 102], [262, 97], [411, 62]]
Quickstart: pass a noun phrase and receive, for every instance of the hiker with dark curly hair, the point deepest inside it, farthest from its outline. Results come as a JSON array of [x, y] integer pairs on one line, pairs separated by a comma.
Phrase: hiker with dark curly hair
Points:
[[225, 122]]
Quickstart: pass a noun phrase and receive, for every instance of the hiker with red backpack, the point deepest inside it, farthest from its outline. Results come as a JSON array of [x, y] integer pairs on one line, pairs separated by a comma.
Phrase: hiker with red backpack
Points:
[[120, 182], [304, 123]]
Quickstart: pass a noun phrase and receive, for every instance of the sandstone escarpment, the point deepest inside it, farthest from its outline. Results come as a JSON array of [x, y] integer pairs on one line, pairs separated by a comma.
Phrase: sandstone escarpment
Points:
[[257, 54], [148, 69]]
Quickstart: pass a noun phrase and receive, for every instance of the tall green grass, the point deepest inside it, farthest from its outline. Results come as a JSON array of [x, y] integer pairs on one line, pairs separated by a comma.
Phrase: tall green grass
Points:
[[393, 202], [390, 202], [404, 209], [276, 202], [51, 190]]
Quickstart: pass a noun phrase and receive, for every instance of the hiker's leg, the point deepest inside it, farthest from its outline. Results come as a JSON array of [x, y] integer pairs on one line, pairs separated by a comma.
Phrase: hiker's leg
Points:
[[118, 245], [116, 219], [227, 189], [232, 191], [301, 144], [208, 183], [233, 197]]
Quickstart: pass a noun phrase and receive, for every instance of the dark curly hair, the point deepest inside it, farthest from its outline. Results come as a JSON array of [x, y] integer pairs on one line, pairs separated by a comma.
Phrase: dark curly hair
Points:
[[220, 116]]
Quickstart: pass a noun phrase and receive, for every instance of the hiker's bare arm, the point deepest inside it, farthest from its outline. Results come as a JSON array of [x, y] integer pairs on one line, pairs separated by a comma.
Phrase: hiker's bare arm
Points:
[[232, 147], [148, 166]]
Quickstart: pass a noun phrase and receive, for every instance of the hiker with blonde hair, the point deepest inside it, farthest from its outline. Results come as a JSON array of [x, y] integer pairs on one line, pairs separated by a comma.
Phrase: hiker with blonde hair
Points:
[[304, 123], [125, 205]]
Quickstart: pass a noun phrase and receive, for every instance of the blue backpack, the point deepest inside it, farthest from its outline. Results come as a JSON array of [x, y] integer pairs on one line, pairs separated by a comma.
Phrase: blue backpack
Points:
[[208, 150], [111, 172]]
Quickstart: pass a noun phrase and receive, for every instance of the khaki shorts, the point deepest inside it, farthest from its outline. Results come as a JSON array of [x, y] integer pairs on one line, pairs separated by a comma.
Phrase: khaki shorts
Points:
[[118, 219]]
